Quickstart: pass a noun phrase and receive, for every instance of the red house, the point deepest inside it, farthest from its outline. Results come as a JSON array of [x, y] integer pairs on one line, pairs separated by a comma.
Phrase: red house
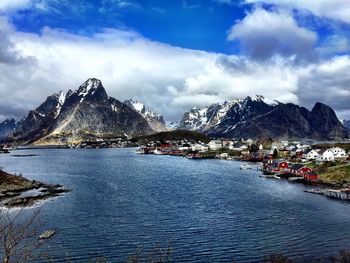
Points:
[[299, 169], [310, 176], [165, 145], [282, 165]]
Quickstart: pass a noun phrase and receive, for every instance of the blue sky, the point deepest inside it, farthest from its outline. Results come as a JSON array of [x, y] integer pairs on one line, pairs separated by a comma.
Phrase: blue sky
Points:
[[174, 55], [186, 23]]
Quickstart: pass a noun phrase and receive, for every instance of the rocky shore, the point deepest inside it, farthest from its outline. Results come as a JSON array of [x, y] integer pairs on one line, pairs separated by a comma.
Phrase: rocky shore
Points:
[[17, 191]]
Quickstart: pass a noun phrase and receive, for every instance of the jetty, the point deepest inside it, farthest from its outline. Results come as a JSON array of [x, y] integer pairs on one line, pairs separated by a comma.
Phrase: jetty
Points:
[[342, 194]]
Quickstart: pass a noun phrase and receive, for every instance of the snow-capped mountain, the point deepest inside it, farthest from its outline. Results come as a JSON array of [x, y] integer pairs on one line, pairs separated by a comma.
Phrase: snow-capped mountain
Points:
[[232, 111], [85, 113], [156, 121], [258, 117]]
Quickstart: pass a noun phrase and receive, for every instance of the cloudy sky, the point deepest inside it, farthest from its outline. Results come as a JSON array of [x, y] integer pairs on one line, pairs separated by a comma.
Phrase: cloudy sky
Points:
[[176, 54]]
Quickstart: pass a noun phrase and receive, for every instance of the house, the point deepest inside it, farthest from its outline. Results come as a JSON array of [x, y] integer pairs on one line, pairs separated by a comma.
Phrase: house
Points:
[[327, 155], [277, 146], [282, 165], [284, 153], [310, 155], [239, 147], [255, 156], [165, 145], [215, 144], [299, 169], [227, 144], [185, 147], [249, 142], [310, 176], [299, 153], [339, 153], [200, 147]]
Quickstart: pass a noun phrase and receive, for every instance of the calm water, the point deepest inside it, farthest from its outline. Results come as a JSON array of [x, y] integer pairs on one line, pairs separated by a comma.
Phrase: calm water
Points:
[[213, 211]]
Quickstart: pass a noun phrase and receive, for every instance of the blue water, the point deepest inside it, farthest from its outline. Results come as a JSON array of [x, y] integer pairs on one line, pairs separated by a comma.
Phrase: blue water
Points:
[[210, 209]]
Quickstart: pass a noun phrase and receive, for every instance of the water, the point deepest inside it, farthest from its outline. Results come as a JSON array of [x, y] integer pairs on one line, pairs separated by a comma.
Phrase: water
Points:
[[210, 209]]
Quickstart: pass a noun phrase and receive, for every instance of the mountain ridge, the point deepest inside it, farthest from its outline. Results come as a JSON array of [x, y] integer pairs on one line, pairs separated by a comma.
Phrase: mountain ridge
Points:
[[257, 117], [86, 113]]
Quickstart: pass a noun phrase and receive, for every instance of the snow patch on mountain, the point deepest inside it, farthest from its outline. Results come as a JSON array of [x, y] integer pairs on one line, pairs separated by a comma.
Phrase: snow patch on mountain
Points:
[[155, 120], [232, 112]]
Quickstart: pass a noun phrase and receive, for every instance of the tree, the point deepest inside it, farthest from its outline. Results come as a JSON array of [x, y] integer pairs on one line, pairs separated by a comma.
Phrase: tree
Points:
[[19, 235], [254, 148], [275, 154]]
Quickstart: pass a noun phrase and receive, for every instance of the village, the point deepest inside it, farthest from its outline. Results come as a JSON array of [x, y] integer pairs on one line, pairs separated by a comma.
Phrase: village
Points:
[[325, 165]]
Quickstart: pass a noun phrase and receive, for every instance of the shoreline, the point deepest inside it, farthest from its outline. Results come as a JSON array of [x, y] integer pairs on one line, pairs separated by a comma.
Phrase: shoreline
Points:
[[18, 191]]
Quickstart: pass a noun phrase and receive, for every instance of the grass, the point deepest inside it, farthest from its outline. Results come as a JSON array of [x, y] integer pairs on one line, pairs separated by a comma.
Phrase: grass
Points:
[[336, 174]]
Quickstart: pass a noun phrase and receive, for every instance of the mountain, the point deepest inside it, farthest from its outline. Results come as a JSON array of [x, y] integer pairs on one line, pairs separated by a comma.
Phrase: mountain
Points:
[[257, 117], [155, 121], [86, 113], [172, 125], [346, 123], [7, 127]]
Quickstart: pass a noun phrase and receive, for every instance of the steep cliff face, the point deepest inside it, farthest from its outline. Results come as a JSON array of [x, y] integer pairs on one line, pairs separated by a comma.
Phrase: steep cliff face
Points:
[[257, 117], [325, 122], [86, 113], [38, 122], [155, 121], [6, 128], [346, 123]]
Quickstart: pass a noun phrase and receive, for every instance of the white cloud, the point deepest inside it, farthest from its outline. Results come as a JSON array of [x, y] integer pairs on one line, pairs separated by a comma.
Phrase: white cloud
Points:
[[169, 79], [333, 9], [263, 34], [6, 5], [334, 44]]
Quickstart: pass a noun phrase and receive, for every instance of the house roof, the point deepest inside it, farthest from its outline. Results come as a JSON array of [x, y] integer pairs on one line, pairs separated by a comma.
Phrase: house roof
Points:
[[215, 141], [307, 151], [311, 173], [296, 166]]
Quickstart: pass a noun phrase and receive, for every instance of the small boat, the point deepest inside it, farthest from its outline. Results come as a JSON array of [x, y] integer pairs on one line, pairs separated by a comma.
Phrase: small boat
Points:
[[47, 234], [276, 177], [245, 167], [158, 152]]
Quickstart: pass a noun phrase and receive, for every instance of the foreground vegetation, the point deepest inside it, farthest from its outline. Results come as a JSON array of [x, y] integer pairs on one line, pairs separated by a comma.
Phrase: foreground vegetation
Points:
[[333, 172]]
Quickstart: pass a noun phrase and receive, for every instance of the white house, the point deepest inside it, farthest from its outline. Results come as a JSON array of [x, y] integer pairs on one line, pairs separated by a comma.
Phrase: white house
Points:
[[215, 144], [239, 147], [339, 153], [311, 155], [327, 155], [227, 144], [185, 147], [200, 147]]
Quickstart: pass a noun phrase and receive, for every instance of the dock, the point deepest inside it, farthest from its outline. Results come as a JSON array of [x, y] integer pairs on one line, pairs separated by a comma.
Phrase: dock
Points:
[[342, 194]]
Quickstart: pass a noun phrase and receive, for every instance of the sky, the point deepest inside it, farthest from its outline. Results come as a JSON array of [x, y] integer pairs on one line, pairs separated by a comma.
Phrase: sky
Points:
[[176, 54]]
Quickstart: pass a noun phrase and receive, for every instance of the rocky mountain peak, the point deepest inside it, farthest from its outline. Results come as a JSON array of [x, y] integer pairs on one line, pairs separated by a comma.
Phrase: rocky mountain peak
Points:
[[156, 121], [89, 87], [258, 117]]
